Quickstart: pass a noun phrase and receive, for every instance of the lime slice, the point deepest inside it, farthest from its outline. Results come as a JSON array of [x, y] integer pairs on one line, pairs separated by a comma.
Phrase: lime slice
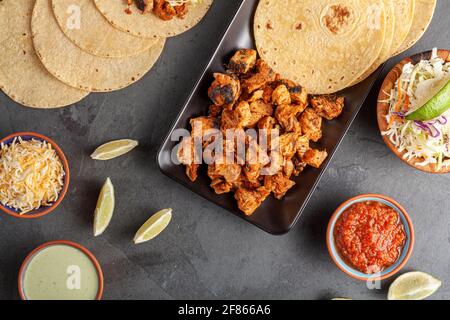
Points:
[[434, 107], [114, 149], [413, 286], [104, 209], [154, 226]]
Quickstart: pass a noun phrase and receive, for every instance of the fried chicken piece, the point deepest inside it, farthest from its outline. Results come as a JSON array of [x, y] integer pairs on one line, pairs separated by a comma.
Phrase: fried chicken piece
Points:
[[202, 123], [286, 115], [243, 182], [291, 142], [281, 96], [298, 93], [202, 129], [186, 155], [249, 200], [327, 106], [288, 167], [258, 109], [266, 123], [243, 61], [264, 74], [215, 111], [238, 118], [192, 171], [311, 124], [229, 172], [279, 184], [164, 10], [256, 159], [181, 10], [267, 94], [276, 163], [225, 89], [299, 166], [221, 187], [257, 95], [314, 157]]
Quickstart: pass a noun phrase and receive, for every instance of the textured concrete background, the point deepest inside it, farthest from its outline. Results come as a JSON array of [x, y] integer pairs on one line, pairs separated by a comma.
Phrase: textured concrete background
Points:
[[207, 252]]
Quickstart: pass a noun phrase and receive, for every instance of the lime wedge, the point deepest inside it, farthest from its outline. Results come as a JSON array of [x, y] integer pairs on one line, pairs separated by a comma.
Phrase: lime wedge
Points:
[[154, 226], [114, 149], [434, 107], [104, 209], [413, 286]]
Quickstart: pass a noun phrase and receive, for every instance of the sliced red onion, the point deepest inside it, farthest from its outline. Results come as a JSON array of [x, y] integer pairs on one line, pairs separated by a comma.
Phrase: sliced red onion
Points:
[[429, 128], [443, 120]]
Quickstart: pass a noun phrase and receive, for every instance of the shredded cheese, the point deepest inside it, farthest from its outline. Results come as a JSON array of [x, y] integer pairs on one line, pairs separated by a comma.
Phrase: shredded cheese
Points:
[[31, 175]]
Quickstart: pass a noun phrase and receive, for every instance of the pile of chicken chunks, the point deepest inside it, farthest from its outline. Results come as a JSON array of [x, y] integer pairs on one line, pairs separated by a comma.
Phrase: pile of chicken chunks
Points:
[[250, 95]]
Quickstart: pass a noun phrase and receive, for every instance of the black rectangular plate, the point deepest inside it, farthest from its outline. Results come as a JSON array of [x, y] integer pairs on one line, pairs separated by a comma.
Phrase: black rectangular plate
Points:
[[274, 216]]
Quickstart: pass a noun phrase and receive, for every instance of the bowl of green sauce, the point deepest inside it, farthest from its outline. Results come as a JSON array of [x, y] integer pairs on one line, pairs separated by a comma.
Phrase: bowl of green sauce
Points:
[[60, 270]]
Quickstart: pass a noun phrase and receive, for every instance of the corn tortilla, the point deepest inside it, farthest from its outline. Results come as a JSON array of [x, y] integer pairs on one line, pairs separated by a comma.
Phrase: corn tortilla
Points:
[[404, 15], [22, 76], [86, 27], [324, 45], [79, 69], [149, 25], [422, 19], [385, 53]]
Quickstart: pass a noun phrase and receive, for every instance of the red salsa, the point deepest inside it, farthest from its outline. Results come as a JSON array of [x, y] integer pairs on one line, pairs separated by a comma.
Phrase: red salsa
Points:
[[369, 236]]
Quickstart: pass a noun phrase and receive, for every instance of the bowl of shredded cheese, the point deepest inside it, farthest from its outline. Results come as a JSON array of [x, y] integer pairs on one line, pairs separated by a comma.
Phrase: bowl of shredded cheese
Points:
[[34, 175]]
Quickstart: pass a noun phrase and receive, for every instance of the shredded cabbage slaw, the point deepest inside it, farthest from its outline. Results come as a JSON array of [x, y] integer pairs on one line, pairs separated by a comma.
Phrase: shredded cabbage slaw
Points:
[[428, 140]]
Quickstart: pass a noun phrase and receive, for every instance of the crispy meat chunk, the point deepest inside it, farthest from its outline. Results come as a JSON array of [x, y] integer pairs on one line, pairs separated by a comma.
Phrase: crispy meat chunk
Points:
[[279, 184], [327, 106], [314, 157], [215, 111], [311, 124], [288, 167], [181, 10], [202, 129], [291, 143], [220, 186], [229, 172], [286, 115], [243, 61], [267, 94], [192, 171], [298, 93], [266, 123], [164, 10], [186, 155], [225, 89], [258, 109], [250, 200], [257, 95], [256, 159], [243, 182], [264, 74], [238, 118], [299, 166], [281, 95]]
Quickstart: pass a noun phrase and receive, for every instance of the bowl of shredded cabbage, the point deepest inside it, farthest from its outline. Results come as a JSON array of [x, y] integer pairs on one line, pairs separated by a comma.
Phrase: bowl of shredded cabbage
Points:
[[413, 111]]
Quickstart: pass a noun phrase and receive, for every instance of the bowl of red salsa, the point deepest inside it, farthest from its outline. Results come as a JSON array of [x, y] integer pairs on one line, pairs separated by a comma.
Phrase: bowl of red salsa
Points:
[[370, 237]]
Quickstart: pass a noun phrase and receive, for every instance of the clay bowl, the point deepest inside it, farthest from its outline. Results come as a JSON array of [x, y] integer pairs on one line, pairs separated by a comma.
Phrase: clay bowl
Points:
[[382, 107]]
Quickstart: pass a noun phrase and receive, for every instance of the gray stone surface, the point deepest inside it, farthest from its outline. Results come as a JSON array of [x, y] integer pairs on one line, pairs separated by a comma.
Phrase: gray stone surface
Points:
[[207, 252]]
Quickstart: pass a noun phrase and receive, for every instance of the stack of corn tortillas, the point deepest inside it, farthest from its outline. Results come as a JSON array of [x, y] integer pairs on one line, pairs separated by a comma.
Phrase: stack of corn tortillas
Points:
[[328, 45], [55, 52]]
